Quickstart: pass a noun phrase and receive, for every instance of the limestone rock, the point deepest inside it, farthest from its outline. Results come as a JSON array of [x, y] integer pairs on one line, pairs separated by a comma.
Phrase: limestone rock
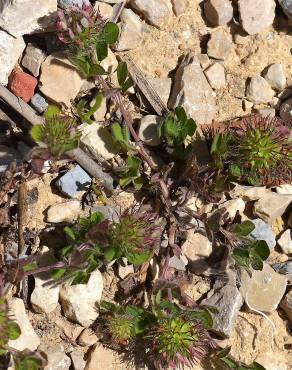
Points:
[[79, 302], [204, 60], [216, 75], [56, 357], [286, 304], [98, 140], [106, 10], [21, 17], [273, 360], [256, 15], [285, 241], [192, 91], [248, 193], [259, 91], [148, 129], [267, 112], [131, 29], [87, 338], [28, 339], [263, 231], [78, 361], [110, 63], [64, 212], [33, 59], [157, 12], [232, 207], [11, 49], [275, 76], [196, 246], [228, 301], [59, 79], [263, 290], [179, 6], [286, 109], [162, 86], [219, 45], [284, 189], [271, 206], [67, 3], [218, 12]]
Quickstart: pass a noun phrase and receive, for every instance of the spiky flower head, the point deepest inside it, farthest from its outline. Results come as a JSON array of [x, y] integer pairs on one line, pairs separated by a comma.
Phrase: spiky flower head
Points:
[[256, 150], [136, 235], [58, 134], [178, 341], [121, 328]]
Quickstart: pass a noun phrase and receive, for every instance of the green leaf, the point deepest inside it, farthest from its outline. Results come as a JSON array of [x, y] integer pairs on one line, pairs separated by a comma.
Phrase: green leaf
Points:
[[70, 233], [191, 126], [28, 363], [81, 277], [243, 229], [122, 73], [52, 111], [241, 256], [101, 50], [117, 132], [110, 33], [235, 170], [181, 114], [58, 273], [139, 257], [260, 248], [256, 263], [257, 366], [30, 266], [36, 133], [66, 251], [129, 83], [96, 70], [110, 253], [13, 330], [205, 316], [138, 183], [124, 181]]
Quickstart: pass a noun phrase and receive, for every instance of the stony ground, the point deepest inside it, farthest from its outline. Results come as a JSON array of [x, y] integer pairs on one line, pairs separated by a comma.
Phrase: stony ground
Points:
[[241, 64]]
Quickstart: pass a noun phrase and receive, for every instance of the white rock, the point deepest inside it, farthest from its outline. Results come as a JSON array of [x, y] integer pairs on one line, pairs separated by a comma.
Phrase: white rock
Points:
[[28, 338], [157, 12], [285, 241], [249, 192], [204, 60], [286, 109], [267, 112], [131, 31], [218, 12], [124, 271], [259, 91], [79, 302], [273, 360], [192, 91], [45, 295], [196, 246], [275, 76], [59, 79], [64, 212], [284, 189], [33, 59], [148, 129], [256, 15], [162, 86], [87, 338], [105, 10], [78, 361], [219, 45], [232, 207], [98, 140], [179, 6], [263, 290], [110, 63], [56, 357], [11, 49], [216, 75], [21, 17], [271, 206]]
